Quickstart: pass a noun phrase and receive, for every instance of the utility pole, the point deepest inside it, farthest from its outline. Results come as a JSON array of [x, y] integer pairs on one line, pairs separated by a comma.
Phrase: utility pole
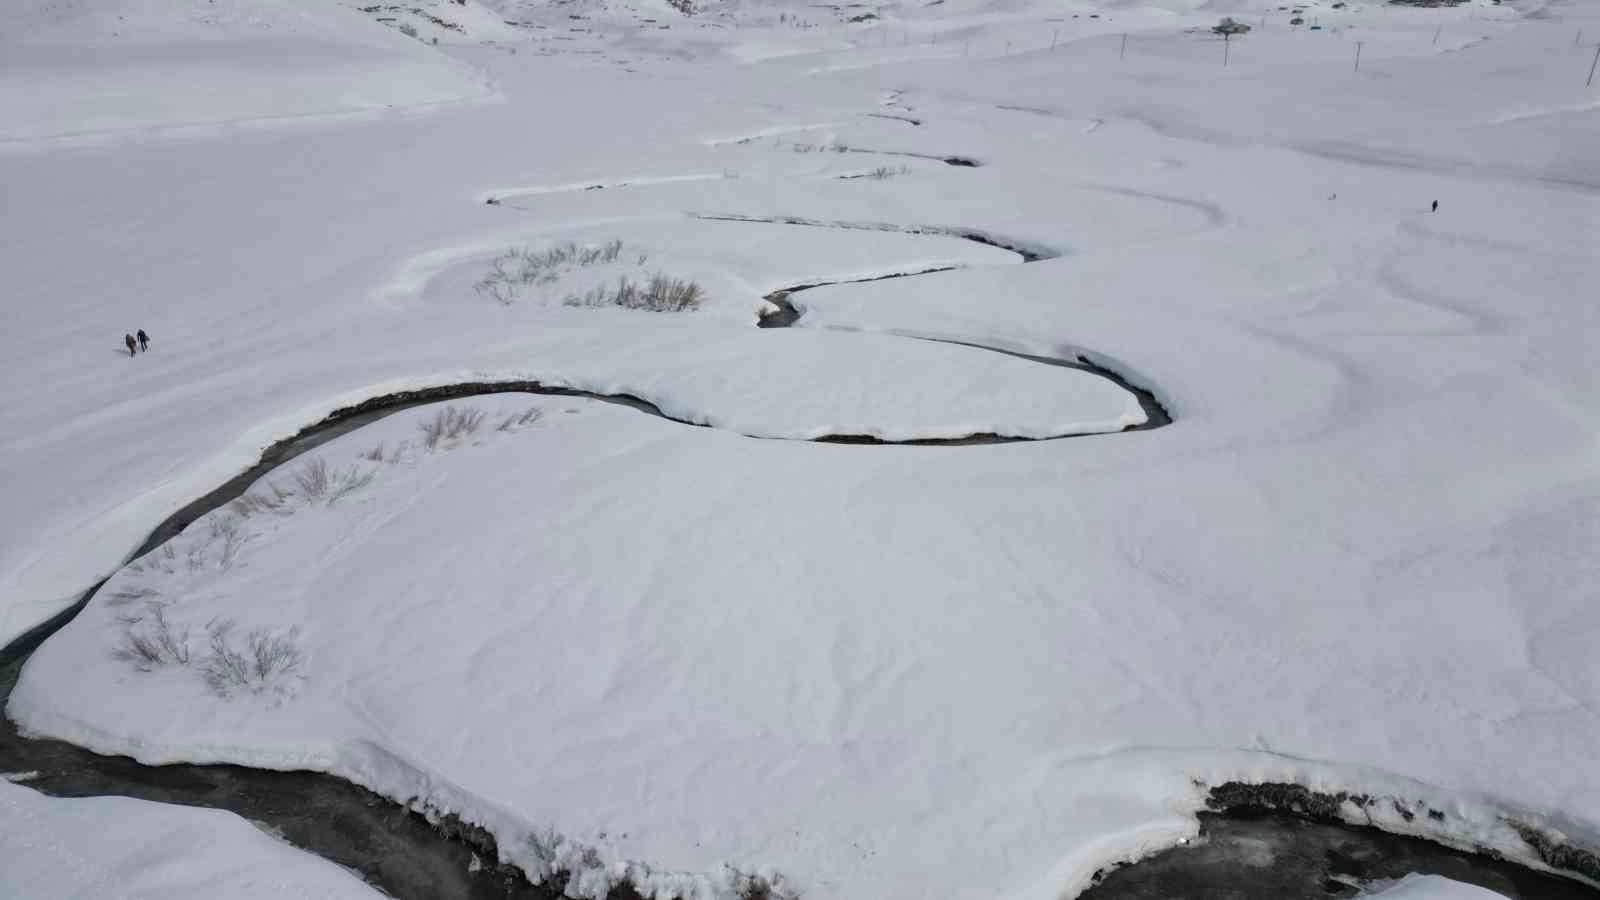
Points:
[[1124, 53], [1358, 55], [1593, 64], [1053, 35], [1436, 35], [1225, 43]]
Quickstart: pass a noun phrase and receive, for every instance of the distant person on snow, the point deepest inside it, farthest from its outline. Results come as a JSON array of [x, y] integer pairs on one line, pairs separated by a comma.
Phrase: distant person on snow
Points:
[[128, 339], [1435, 206], [144, 340]]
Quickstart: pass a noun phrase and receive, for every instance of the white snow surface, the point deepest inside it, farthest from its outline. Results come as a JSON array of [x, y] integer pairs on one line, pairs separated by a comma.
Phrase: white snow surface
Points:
[[1433, 887], [79, 71], [118, 848], [1360, 558]]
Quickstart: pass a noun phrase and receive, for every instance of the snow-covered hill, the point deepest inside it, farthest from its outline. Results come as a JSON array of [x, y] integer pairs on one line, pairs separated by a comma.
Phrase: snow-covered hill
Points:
[[85, 68]]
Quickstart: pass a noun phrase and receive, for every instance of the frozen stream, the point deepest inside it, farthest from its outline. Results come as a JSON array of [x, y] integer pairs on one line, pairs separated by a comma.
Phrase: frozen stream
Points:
[[392, 847], [1245, 854]]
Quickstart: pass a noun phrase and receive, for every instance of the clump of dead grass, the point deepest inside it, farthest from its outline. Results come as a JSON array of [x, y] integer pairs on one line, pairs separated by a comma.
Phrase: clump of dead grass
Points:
[[659, 294], [450, 424]]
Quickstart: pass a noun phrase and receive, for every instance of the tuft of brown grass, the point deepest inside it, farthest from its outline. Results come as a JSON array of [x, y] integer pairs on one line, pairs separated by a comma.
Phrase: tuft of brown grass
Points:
[[317, 481], [272, 500], [659, 294], [450, 424], [514, 268]]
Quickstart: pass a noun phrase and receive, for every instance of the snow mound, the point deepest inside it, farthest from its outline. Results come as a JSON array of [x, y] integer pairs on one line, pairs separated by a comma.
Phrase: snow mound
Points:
[[1433, 887], [53, 848]]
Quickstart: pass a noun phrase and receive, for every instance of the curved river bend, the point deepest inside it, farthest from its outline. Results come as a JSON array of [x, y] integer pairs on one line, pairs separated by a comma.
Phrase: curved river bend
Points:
[[407, 856]]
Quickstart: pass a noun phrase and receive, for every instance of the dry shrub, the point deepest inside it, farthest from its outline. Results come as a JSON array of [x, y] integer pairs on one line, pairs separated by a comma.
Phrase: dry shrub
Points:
[[312, 479], [317, 481], [272, 500], [265, 662], [514, 268], [450, 424], [151, 643], [659, 294], [128, 595], [232, 536], [516, 420]]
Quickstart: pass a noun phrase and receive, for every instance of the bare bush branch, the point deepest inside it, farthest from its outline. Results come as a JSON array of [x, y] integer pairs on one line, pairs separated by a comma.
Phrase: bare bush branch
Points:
[[671, 294], [347, 482], [375, 454], [232, 536], [313, 479], [317, 481], [155, 644], [127, 595], [197, 555], [450, 424], [517, 420], [253, 503], [659, 294], [265, 662], [515, 268]]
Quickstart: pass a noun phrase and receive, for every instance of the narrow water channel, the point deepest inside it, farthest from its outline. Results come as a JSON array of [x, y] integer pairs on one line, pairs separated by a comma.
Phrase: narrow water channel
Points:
[[391, 847], [1249, 854], [1245, 856]]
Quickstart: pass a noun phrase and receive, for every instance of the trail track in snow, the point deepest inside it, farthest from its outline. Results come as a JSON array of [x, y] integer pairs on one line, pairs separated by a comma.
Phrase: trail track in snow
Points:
[[1030, 252]]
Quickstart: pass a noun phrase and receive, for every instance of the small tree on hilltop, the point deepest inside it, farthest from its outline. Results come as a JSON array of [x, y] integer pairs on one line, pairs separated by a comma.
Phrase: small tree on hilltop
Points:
[[1228, 27]]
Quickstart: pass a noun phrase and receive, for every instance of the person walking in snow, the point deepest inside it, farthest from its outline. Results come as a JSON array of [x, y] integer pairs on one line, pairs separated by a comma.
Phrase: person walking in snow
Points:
[[144, 340], [128, 339], [1435, 206]]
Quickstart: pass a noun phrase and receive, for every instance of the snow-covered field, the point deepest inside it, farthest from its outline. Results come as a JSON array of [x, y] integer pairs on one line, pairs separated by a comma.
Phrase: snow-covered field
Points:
[[86, 71], [1361, 558]]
